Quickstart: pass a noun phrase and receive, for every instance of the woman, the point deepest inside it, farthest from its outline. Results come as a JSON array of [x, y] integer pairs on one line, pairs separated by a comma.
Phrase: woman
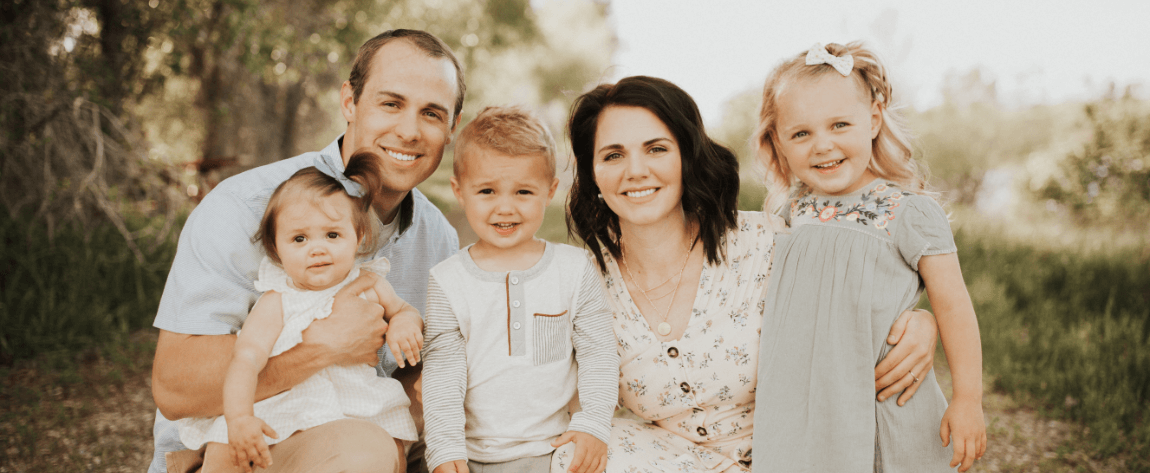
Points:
[[655, 200]]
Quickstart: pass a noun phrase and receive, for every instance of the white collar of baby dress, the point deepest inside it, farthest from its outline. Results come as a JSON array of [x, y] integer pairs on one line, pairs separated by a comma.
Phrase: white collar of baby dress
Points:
[[819, 55]]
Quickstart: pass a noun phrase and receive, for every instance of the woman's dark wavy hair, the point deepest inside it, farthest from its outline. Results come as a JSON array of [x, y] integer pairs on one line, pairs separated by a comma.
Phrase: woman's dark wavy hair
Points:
[[710, 171]]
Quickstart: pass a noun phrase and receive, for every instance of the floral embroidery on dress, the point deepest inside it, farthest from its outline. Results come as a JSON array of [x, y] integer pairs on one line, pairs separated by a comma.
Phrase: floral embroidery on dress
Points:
[[875, 207]]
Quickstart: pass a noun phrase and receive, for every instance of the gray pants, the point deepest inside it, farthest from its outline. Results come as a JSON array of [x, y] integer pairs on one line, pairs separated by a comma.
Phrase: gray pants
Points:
[[539, 464]]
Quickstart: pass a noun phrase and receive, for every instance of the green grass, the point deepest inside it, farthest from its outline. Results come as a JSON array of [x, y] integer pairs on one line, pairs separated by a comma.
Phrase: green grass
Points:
[[1070, 330], [79, 291]]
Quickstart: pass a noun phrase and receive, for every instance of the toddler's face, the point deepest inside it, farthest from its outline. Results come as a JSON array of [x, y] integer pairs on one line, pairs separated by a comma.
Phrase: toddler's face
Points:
[[824, 130], [316, 241], [504, 197]]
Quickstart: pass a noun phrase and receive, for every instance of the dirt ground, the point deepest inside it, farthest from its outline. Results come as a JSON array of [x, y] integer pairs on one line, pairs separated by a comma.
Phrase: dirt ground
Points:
[[96, 416]]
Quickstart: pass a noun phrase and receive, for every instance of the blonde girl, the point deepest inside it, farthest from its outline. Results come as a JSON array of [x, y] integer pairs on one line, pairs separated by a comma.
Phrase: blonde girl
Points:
[[866, 239], [316, 224]]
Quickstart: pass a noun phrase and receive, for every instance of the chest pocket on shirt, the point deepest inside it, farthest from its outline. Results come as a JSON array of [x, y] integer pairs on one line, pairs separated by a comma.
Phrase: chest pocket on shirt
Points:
[[550, 337]]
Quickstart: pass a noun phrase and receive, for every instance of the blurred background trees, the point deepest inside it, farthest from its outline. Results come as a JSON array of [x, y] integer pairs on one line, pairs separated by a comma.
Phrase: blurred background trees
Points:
[[118, 115]]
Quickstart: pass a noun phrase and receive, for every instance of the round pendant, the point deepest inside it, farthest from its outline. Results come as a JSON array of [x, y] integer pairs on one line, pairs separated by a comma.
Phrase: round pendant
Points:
[[664, 328]]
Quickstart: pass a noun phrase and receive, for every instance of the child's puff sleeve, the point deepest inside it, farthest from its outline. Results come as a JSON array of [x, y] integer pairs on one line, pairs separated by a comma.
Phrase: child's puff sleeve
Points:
[[923, 230]]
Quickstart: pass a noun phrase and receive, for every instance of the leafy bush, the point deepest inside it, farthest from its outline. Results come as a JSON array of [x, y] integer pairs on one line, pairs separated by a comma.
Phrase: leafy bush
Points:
[[77, 291], [1108, 179]]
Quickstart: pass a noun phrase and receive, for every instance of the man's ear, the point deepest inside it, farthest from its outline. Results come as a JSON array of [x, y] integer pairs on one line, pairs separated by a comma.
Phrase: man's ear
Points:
[[347, 101]]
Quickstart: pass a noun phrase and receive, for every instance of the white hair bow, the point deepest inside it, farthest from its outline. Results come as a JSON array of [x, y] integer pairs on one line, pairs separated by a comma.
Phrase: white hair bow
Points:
[[819, 55]]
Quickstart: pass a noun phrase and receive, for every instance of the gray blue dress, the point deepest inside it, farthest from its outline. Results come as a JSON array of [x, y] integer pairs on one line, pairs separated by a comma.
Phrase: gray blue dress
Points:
[[839, 281]]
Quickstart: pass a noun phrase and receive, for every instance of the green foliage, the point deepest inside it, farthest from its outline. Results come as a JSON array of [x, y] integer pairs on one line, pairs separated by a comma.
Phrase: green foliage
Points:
[[1107, 180], [76, 291], [1070, 330]]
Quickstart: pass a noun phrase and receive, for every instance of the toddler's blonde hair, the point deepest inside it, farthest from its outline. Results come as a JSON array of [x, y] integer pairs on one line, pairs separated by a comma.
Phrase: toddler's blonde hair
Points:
[[511, 130], [891, 149]]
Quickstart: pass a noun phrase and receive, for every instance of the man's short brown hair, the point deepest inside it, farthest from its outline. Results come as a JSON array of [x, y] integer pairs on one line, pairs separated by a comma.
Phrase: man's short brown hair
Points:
[[423, 40]]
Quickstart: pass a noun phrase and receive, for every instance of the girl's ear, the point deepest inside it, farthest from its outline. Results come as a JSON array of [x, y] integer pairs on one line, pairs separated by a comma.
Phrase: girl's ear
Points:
[[875, 119]]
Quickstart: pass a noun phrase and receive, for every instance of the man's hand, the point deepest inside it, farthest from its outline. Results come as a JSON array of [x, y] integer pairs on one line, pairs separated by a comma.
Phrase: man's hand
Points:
[[457, 466], [914, 336], [246, 439], [353, 333], [405, 337], [963, 423], [590, 452]]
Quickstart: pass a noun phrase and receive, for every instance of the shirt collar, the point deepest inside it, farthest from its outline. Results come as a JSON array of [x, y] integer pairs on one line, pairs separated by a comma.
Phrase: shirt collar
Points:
[[331, 154]]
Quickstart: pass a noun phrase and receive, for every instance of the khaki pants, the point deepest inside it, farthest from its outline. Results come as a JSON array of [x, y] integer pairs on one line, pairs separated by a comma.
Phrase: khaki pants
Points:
[[347, 445]]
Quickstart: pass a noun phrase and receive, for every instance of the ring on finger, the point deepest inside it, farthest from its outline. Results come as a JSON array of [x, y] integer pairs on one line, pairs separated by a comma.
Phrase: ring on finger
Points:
[[913, 376]]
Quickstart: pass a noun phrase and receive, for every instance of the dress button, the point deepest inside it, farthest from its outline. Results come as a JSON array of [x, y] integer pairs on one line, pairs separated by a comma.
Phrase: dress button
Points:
[[515, 304], [515, 325], [673, 352], [702, 431], [515, 280], [685, 387]]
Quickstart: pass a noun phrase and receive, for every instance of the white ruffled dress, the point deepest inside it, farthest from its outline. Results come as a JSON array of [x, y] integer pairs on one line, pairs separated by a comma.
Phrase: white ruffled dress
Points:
[[336, 392]]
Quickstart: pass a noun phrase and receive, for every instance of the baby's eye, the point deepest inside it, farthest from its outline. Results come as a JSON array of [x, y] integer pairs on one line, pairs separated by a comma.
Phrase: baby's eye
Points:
[[524, 192], [801, 134], [299, 239], [333, 235], [841, 125], [486, 191]]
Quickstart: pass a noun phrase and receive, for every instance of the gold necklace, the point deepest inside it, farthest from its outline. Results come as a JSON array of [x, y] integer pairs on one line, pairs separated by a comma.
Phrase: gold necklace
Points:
[[664, 328]]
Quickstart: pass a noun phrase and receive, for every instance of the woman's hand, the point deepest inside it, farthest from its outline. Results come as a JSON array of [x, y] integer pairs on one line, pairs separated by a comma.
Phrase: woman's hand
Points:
[[914, 336]]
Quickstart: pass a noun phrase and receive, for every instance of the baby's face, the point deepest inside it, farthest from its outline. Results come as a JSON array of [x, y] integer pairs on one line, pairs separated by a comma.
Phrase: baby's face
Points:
[[504, 197], [316, 241]]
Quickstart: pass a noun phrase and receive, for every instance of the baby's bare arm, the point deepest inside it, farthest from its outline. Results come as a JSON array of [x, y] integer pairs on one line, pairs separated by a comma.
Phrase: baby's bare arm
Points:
[[405, 330]]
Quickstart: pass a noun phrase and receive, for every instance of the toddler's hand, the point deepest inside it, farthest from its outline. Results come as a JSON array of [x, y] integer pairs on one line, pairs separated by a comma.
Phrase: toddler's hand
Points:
[[405, 337], [246, 437], [457, 466], [590, 452], [963, 422]]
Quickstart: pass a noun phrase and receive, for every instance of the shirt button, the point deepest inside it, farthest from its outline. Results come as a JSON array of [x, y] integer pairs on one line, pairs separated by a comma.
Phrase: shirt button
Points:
[[685, 387], [515, 280], [673, 352], [701, 431], [515, 304], [515, 325]]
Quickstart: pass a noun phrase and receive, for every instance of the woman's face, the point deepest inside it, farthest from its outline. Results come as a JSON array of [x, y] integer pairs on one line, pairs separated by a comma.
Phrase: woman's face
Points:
[[637, 166]]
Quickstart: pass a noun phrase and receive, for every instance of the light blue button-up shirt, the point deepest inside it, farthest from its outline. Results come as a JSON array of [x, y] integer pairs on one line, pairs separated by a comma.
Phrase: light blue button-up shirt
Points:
[[210, 288]]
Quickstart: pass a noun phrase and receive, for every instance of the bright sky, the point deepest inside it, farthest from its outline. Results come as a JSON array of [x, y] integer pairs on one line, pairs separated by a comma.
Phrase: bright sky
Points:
[[1038, 51]]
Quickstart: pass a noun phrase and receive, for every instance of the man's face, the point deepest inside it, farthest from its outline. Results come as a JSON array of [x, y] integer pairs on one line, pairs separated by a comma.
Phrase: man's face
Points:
[[405, 114]]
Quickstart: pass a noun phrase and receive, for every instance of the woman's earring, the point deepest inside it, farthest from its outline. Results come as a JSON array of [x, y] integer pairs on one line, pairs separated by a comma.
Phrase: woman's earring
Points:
[[600, 196]]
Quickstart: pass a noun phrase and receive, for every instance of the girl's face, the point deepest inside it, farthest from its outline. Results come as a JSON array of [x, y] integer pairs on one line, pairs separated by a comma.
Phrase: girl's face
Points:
[[316, 242], [637, 166], [824, 130]]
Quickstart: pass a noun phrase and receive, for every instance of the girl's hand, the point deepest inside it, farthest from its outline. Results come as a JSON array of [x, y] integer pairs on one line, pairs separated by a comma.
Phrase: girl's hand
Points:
[[405, 337], [914, 336], [590, 452], [963, 422], [246, 437], [457, 466]]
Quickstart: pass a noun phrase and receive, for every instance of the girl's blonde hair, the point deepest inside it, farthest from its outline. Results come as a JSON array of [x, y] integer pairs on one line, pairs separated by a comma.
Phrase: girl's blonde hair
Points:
[[312, 184], [891, 149]]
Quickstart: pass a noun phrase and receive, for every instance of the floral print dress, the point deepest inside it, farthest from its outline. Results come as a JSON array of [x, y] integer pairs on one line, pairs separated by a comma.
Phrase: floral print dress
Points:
[[696, 395]]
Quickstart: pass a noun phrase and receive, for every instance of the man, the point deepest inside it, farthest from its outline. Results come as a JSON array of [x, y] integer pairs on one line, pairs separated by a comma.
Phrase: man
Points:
[[402, 100]]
